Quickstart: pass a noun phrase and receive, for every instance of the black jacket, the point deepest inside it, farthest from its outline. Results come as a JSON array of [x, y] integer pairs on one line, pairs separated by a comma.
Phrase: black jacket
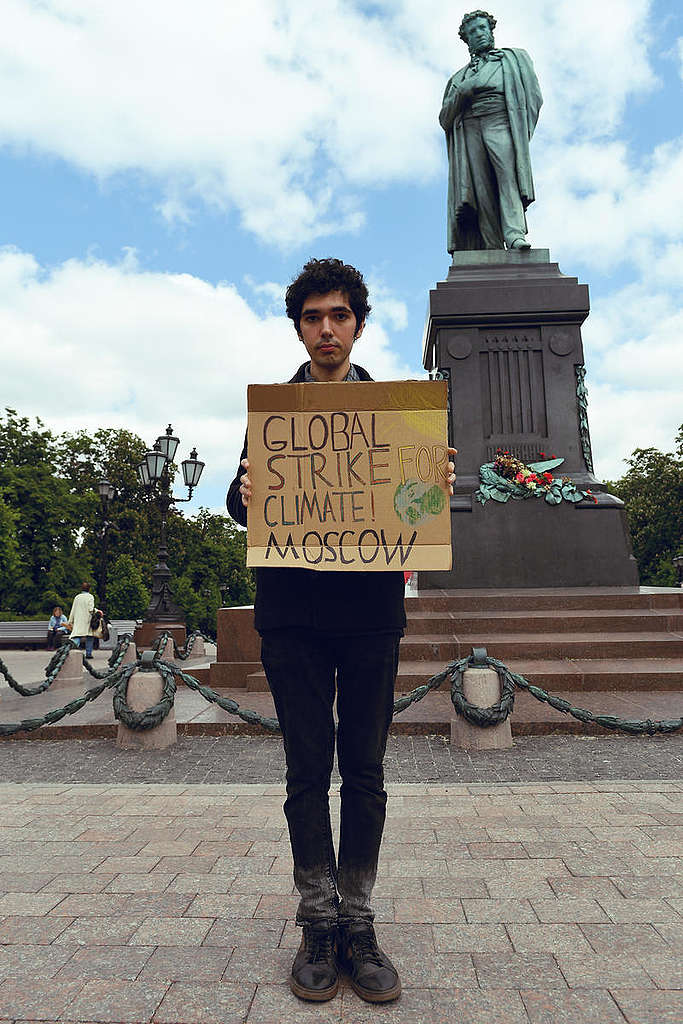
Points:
[[329, 602]]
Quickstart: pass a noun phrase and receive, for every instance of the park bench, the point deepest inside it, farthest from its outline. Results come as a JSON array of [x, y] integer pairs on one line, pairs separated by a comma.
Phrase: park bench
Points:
[[34, 633]]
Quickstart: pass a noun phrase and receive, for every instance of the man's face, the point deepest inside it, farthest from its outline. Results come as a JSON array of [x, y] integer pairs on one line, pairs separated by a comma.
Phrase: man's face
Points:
[[328, 329], [479, 35]]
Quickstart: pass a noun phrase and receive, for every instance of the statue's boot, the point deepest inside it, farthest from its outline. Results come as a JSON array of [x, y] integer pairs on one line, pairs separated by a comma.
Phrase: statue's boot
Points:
[[520, 243]]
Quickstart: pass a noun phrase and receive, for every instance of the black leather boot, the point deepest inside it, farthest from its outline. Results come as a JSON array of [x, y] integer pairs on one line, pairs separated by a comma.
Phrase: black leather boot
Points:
[[372, 975], [314, 971]]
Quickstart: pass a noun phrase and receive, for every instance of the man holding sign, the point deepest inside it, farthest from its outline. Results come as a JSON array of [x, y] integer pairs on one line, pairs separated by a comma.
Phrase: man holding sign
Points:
[[327, 634]]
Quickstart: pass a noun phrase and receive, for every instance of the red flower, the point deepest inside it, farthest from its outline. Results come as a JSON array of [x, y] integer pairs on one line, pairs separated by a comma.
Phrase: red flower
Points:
[[542, 454]]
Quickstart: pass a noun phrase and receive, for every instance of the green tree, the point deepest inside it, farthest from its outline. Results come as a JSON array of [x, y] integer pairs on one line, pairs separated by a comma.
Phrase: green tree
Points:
[[127, 595], [49, 483], [83, 459], [50, 518], [652, 491], [206, 552], [10, 563], [51, 528]]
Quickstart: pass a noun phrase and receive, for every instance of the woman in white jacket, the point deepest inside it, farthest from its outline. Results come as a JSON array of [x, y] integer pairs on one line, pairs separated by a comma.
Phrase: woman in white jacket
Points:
[[79, 619]]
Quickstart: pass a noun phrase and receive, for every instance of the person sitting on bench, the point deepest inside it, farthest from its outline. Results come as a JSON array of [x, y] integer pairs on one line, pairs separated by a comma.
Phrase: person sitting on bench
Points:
[[57, 628]]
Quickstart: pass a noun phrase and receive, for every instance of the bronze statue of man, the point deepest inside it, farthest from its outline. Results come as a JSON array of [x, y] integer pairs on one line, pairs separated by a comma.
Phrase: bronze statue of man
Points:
[[490, 109]]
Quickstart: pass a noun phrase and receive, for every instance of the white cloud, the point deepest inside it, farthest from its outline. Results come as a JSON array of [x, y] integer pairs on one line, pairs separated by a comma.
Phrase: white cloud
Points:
[[292, 116], [269, 294], [174, 210], [635, 367], [269, 107], [289, 112], [621, 421], [90, 344], [605, 207], [386, 306]]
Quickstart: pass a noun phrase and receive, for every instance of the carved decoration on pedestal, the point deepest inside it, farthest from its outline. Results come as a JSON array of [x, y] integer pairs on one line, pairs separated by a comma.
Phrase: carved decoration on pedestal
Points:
[[582, 408]]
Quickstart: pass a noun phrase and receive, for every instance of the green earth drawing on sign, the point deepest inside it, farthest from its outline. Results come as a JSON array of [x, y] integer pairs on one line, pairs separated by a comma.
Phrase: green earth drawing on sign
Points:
[[415, 501]]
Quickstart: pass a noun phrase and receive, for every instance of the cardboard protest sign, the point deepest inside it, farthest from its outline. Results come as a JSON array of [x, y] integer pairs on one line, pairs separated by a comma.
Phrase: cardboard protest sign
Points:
[[349, 476]]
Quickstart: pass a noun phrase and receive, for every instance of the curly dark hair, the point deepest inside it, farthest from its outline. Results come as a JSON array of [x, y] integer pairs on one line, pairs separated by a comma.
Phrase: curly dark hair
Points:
[[319, 277], [470, 17]]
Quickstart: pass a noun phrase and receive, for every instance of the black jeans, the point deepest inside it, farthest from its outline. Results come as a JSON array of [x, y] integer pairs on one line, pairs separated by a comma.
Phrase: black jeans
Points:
[[300, 667]]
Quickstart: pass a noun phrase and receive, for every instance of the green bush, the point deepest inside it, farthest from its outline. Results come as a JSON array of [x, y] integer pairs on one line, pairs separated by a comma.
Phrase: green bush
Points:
[[652, 491], [127, 595]]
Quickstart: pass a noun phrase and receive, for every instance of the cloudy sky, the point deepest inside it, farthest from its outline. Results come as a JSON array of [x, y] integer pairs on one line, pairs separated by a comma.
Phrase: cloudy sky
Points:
[[167, 168]]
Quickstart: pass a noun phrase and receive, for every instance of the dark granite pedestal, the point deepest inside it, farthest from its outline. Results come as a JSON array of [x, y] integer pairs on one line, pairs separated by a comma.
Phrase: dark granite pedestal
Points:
[[505, 327]]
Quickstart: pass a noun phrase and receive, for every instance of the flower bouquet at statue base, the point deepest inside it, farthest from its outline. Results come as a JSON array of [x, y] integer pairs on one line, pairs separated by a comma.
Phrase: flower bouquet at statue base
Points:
[[509, 477]]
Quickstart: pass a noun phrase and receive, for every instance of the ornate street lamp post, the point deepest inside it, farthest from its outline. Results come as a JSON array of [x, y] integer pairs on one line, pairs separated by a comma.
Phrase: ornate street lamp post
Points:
[[154, 473], [107, 494]]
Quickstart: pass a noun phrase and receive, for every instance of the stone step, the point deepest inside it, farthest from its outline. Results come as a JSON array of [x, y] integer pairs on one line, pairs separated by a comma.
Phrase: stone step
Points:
[[429, 648], [593, 646], [620, 675], [598, 639], [586, 674], [519, 600], [543, 646], [538, 621], [230, 673]]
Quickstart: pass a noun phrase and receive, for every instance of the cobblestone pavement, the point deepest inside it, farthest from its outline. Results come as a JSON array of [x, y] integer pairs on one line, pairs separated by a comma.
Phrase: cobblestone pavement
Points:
[[517, 903], [260, 759]]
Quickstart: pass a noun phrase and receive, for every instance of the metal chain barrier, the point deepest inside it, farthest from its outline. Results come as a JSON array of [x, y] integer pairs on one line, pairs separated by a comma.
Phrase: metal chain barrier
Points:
[[421, 691], [632, 726], [486, 717], [115, 658], [56, 662], [152, 661], [159, 646], [227, 703], [29, 724], [182, 653], [53, 666]]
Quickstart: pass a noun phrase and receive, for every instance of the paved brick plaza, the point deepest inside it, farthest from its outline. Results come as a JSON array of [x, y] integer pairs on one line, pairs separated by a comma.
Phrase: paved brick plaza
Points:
[[520, 902], [537, 885]]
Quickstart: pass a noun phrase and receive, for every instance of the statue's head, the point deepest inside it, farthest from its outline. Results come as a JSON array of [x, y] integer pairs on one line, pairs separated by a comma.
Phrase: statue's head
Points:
[[476, 29]]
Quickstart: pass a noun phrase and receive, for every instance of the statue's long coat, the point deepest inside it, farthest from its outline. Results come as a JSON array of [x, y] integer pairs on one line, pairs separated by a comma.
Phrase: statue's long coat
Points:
[[523, 102]]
